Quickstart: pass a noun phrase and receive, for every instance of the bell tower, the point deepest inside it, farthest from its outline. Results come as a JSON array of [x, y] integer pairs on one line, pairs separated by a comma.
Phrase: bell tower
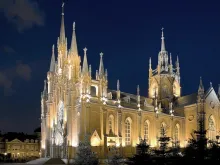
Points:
[[164, 81]]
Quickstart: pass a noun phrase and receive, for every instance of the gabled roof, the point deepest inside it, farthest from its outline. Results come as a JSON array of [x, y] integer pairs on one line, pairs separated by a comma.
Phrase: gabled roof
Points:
[[10, 136], [186, 100]]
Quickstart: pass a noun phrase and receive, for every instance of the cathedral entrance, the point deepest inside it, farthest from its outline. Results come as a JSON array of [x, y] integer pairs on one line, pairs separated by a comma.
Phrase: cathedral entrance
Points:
[[59, 144]]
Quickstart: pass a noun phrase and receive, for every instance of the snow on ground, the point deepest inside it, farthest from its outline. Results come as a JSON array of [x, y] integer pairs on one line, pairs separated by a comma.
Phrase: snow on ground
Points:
[[38, 161]]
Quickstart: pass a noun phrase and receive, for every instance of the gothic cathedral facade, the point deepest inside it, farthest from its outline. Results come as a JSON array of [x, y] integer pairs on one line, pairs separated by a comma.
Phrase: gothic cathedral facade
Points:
[[74, 105]]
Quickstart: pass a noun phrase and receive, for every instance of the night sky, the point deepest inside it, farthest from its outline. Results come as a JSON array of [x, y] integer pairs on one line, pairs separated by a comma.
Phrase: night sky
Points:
[[127, 32]]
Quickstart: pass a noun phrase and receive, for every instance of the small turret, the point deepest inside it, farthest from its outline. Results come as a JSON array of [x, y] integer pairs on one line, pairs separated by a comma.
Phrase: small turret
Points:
[[201, 90], [138, 98], [118, 92], [150, 68], [85, 70], [44, 93], [73, 48], [97, 75], [101, 67], [106, 74], [171, 65], [90, 71], [52, 62], [178, 69]]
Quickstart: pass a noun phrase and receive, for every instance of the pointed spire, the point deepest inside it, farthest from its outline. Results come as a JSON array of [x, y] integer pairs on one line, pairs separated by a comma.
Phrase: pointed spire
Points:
[[200, 83], [106, 74], [101, 66], [62, 28], [138, 97], [52, 62], [150, 66], [162, 41], [118, 92], [118, 85], [96, 75], [171, 59], [210, 84], [73, 47], [201, 87], [138, 90], [90, 70], [85, 69]]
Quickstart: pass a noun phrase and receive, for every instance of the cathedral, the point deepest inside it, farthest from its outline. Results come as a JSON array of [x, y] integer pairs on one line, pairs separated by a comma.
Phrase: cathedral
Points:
[[74, 105]]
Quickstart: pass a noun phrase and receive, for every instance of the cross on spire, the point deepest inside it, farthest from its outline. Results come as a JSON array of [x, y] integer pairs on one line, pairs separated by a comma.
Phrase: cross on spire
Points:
[[63, 7], [162, 41], [85, 49], [74, 25]]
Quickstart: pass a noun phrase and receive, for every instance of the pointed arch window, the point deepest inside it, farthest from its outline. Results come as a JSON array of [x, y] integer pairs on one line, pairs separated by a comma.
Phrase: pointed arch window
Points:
[[111, 124], [176, 135], [163, 130], [146, 130], [211, 128], [127, 132]]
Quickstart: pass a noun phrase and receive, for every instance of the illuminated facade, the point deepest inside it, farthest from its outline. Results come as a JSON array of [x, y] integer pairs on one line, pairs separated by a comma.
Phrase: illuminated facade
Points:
[[75, 104]]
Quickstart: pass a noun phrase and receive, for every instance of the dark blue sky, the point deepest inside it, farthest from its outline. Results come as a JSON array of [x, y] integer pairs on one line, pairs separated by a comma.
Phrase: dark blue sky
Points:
[[128, 32]]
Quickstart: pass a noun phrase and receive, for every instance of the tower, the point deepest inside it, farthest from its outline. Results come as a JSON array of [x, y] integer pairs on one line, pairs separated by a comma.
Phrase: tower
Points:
[[164, 81]]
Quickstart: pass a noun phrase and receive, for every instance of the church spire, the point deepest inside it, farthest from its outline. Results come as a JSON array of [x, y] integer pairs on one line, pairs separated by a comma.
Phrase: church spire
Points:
[[52, 62], [162, 42], [101, 66], [73, 48], [62, 28], [201, 88], [85, 69]]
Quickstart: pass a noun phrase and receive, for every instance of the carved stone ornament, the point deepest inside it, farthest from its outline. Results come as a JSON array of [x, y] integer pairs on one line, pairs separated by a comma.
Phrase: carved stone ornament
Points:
[[212, 104], [191, 117]]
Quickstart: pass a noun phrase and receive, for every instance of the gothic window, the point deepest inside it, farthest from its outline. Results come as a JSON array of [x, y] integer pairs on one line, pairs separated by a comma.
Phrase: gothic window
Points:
[[176, 134], [111, 124], [93, 91], [211, 128], [165, 90], [163, 130], [127, 132], [146, 130]]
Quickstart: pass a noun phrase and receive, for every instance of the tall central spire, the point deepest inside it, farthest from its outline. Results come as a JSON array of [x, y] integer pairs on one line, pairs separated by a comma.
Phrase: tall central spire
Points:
[[62, 28], [162, 41]]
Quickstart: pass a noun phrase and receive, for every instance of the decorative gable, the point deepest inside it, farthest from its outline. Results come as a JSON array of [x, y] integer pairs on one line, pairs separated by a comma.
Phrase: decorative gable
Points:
[[95, 139], [211, 98], [16, 141]]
